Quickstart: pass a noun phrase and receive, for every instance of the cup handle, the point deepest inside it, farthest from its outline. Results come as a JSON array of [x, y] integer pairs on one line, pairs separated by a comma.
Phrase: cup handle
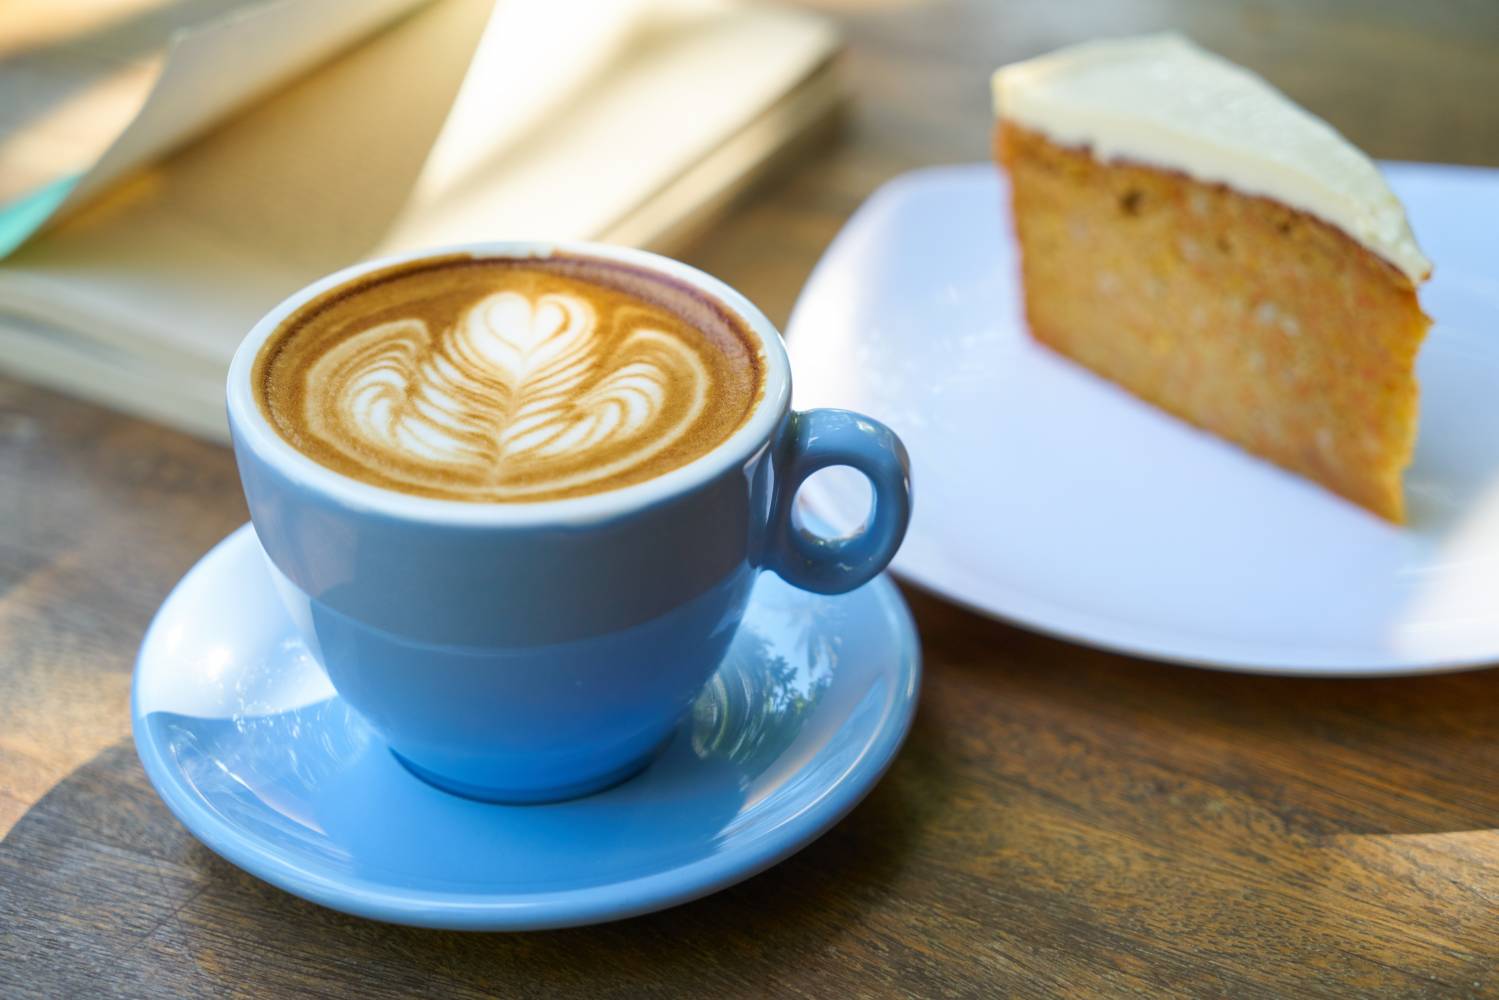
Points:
[[817, 439]]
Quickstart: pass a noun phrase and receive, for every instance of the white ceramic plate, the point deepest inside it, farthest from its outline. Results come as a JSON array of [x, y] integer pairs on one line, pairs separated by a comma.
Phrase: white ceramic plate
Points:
[[1048, 497]]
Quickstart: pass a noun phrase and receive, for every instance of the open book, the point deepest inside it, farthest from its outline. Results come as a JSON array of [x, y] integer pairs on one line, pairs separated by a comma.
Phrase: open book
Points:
[[284, 140]]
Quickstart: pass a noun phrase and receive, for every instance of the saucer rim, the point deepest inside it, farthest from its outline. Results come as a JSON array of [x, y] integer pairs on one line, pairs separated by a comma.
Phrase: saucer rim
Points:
[[521, 911]]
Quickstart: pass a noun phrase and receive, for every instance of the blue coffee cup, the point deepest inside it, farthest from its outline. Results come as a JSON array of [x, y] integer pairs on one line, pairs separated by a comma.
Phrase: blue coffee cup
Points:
[[528, 652]]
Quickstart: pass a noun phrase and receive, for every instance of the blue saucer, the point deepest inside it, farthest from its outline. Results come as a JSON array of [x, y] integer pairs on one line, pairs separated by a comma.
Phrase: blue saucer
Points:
[[250, 747]]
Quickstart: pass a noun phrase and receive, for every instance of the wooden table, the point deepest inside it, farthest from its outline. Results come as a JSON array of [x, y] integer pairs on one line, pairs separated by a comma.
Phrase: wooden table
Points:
[[1061, 821]]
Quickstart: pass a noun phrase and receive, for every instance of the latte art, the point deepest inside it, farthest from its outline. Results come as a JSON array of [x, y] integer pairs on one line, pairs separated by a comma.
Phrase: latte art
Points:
[[509, 382], [514, 384]]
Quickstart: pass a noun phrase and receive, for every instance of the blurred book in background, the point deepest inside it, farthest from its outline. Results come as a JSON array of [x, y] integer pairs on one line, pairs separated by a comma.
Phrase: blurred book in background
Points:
[[170, 171]]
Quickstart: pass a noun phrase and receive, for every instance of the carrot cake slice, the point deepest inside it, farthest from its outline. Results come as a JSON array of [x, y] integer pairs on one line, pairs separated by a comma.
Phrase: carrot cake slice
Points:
[[1190, 233]]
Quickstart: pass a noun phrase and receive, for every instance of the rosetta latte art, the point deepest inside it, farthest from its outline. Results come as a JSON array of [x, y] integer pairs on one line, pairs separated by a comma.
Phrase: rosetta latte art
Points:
[[522, 396]]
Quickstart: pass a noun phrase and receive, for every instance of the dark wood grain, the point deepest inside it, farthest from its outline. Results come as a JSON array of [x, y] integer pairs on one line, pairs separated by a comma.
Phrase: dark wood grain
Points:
[[1061, 822]]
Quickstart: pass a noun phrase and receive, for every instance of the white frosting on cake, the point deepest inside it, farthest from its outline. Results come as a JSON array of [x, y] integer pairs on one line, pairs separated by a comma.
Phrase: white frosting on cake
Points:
[[1162, 101]]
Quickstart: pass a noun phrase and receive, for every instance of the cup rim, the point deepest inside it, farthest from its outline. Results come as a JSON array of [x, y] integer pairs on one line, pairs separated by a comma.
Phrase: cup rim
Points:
[[250, 429]]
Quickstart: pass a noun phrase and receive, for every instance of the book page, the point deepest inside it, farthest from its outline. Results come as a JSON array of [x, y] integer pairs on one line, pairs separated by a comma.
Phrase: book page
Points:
[[73, 75], [694, 74], [211, 68]]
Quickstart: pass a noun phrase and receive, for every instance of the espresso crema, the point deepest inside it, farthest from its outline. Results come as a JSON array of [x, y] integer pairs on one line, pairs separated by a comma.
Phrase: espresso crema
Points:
[[510, 379]]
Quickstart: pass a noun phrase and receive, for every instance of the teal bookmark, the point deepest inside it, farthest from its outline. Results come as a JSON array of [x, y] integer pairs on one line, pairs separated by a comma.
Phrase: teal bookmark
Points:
[[26, 214]]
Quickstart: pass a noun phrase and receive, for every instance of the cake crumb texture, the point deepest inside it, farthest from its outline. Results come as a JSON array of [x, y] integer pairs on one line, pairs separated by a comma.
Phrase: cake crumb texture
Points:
[[1250, 319]]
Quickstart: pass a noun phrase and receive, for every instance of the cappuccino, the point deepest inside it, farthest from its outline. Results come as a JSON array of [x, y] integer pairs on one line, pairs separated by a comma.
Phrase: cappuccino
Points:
[[501, 380]]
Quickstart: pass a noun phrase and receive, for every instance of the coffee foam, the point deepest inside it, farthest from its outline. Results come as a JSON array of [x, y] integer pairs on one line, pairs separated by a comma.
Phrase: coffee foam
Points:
[[509, 380]]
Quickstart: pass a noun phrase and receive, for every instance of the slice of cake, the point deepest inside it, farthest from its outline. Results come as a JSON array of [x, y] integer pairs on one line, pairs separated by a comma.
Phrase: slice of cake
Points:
[[1190, 233]]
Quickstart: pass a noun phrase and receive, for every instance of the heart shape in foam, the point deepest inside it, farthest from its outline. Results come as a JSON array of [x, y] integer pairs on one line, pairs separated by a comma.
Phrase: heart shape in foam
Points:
[[522, 395]]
